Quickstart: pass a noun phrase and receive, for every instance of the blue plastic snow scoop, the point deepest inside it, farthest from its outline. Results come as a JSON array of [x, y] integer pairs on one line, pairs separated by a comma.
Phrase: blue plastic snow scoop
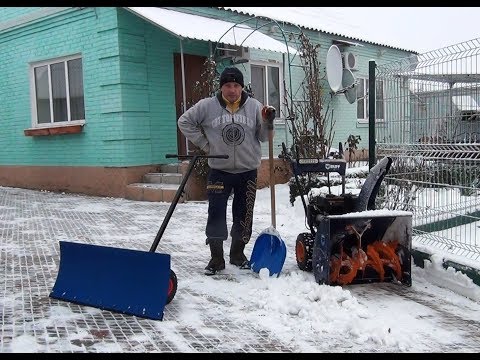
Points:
[[269, 250]]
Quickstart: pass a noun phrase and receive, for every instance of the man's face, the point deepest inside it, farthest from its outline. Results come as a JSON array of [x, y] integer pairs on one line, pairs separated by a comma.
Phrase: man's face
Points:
[[231, 91]]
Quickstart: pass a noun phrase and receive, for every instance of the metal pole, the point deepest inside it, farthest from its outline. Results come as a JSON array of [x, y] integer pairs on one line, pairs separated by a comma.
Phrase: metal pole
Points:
[[173, 204], [371, 113], [179, 193], [184, 94]]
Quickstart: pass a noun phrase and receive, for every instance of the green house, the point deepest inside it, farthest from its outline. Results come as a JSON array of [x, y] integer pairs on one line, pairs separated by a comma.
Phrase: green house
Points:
[[90, 96]]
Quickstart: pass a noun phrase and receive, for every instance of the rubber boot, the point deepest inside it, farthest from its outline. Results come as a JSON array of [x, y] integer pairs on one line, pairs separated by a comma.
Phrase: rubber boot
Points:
[[237, 257], [217, 262]]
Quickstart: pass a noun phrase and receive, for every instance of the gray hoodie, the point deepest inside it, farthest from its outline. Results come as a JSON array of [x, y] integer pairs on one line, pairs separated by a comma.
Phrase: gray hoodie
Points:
[[237, 135]]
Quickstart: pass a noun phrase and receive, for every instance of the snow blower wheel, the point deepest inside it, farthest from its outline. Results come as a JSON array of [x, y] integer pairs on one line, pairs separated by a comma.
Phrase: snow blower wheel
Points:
[[303, 251], [172, 286]]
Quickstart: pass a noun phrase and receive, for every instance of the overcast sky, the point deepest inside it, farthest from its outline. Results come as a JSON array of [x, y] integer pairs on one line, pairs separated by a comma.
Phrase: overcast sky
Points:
[[413, 28]]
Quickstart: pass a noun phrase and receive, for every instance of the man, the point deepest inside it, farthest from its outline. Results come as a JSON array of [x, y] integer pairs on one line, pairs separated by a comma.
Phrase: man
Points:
[[233, 124]]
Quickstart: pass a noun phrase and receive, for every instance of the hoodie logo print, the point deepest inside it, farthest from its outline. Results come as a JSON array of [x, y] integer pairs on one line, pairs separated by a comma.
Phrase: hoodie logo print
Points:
[[233, 134]]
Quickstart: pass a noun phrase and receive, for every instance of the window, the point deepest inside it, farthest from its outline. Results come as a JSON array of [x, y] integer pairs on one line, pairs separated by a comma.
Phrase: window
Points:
[[362, 100], [266, 82], [57, 95]]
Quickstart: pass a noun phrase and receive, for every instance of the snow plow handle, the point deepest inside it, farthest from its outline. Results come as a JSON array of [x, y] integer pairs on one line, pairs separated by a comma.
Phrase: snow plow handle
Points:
[[198, 156], [179, 191]]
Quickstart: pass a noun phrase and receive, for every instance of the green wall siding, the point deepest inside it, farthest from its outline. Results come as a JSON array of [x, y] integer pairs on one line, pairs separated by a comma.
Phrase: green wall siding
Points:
[[9, 16], [147, 62], [128, 84], [89, 32], [128, 88], [344, 114]]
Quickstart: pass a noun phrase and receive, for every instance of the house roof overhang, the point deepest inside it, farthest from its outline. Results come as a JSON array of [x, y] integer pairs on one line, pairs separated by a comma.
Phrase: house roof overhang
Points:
[[188, 26]]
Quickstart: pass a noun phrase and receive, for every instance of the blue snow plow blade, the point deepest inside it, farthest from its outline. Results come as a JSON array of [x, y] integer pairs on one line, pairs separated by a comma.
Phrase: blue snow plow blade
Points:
[[268, 252], [121, 280]]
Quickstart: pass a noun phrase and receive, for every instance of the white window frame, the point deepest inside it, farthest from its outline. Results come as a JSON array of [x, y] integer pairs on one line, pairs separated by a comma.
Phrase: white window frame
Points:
[[365, 120], [265, 65], [33, 94]]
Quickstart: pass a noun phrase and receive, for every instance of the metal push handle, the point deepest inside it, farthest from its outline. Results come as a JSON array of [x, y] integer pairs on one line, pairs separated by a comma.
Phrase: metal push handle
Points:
[[198, 156], [179, 191]]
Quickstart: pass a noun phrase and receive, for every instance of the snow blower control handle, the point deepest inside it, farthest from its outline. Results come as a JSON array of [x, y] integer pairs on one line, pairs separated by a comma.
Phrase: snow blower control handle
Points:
[[179, 192]]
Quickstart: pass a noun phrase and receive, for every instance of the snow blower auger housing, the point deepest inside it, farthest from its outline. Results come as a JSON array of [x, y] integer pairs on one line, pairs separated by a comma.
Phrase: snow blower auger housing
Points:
[[349, 241]]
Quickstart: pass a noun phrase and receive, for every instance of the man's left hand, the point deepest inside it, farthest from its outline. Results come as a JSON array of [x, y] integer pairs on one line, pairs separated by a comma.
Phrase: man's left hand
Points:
[[268, 113]]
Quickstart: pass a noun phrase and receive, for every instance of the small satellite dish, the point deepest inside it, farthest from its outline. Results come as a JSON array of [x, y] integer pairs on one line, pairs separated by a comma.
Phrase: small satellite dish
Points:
[[334, 68], [348, 83]]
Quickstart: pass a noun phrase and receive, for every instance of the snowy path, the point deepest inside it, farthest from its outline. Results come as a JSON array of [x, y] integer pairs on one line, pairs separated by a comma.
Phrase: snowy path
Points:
[[244, 313]]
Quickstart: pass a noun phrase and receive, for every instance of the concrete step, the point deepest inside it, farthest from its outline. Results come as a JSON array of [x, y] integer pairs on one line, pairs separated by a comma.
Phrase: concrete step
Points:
[[170, 168], [152, 192], [162, 178]]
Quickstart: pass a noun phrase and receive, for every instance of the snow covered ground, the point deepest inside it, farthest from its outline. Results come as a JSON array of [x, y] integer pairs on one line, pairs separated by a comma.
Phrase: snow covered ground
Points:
[[241, 312]]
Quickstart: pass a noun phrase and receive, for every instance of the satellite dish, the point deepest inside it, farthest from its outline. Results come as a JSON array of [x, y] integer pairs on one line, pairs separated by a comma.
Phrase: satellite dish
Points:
[[348, 83], [334, 68]]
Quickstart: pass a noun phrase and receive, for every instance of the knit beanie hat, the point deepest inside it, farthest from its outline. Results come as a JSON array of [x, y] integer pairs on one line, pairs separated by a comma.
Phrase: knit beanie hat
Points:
[[231, 74]]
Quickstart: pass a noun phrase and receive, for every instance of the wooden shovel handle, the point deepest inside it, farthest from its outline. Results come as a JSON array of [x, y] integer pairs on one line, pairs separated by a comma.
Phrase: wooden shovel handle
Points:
[[272, 174]]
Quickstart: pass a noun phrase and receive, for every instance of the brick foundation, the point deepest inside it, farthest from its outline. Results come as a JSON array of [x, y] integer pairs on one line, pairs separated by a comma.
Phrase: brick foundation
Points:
[[111, 181]]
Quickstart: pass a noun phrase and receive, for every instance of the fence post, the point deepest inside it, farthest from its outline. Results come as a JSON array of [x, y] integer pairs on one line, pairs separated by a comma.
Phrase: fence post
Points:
[[371, 113]]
